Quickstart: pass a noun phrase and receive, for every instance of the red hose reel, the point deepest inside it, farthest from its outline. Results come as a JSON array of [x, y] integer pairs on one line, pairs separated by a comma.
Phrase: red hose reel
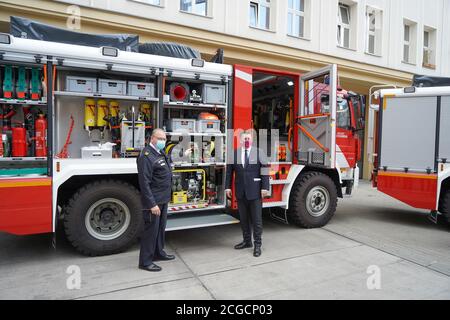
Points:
[[179, 92]]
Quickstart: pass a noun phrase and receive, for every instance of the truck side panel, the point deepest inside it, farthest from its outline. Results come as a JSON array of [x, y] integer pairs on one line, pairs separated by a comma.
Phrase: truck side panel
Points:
[[26, 206], [416, 190]]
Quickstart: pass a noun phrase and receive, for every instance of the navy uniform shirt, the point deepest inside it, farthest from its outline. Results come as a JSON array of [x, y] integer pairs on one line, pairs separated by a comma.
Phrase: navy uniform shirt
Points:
[[155, 177]]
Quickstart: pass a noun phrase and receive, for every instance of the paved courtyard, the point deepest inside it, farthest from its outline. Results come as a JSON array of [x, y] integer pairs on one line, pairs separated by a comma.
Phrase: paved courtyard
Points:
[[374, 248]]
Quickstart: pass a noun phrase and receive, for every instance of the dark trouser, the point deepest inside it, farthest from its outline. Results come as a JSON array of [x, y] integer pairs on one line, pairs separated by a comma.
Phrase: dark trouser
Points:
[[153, 236], [250, 212]]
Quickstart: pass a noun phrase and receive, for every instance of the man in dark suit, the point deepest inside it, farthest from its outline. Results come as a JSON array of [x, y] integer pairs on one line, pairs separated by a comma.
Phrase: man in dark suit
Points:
[[251, 186], [155, 182]]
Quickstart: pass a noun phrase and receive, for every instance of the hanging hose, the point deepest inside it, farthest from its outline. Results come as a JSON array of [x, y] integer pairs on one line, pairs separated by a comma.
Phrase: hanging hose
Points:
[[64, 154]]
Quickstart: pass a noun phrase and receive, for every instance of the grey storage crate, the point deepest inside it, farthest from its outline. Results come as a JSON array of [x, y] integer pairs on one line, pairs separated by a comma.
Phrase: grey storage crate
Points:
[[214, 93], [108, 86], [141, 89], [96, 152], [181, 125], [208, 126], [81, 84]]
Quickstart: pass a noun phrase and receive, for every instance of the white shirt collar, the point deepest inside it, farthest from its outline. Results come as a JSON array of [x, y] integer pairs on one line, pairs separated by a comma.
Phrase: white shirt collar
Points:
[[151, 144]]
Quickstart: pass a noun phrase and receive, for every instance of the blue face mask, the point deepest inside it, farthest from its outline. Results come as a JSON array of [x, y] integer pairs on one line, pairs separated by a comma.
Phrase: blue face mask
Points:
[[160, 145]]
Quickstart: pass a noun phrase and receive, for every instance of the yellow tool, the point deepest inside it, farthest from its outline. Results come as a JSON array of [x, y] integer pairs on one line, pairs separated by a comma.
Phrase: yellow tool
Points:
[[102, 115], [114, 108], [89, 115], [146, 109]]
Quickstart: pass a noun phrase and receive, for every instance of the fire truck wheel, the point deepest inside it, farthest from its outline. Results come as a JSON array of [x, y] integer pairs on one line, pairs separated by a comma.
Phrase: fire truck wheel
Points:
[[444, 205], [313, 200], [103, 218]]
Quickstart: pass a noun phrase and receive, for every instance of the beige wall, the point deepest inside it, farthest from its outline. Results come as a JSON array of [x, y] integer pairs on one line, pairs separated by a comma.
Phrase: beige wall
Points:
[[355, 76]]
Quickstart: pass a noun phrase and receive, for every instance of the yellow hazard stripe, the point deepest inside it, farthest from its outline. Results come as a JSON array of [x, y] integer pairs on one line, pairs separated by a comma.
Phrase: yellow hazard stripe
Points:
[[385, 98], [408, 175], [17, 184]]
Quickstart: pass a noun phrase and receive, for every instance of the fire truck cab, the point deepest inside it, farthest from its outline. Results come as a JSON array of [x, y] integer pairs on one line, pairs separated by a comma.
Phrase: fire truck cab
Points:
[[100, 106]]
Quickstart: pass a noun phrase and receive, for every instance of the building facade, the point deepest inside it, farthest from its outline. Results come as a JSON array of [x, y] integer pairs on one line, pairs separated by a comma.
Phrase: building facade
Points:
[[372, 41]]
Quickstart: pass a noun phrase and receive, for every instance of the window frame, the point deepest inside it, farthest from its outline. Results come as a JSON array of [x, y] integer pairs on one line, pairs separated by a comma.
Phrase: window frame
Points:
[[342, 26], [146, 2], [193, 6], [430, 48], [407, 43], [369, 13], [257, 4], [301, 14]]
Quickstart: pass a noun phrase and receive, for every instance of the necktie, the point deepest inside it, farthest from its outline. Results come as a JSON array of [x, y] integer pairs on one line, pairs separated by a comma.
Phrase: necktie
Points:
[[247, 162]]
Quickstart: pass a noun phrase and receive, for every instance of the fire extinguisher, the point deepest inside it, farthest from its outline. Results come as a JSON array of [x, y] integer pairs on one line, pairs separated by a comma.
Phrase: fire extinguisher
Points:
[[41, 136], [19, 142]]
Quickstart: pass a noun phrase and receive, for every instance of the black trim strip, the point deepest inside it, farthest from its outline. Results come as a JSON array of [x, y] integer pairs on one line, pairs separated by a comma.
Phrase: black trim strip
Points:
[[50, 116], [438, 131], [160, 114], [380, 129]]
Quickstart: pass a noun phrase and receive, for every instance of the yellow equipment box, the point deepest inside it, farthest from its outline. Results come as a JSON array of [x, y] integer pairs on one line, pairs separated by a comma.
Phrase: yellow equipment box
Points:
[[179, 197]]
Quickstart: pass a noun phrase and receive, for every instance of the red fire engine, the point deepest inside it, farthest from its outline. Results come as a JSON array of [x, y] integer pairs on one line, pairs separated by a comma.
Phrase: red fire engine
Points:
[[96, 106]]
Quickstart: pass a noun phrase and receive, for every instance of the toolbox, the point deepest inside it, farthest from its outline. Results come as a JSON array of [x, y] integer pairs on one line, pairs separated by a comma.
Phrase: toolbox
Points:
[[208, 126], [108, 86], [181, 125], [80, 84], [96, 152], [213, 94], [179, 197], [141, 89]]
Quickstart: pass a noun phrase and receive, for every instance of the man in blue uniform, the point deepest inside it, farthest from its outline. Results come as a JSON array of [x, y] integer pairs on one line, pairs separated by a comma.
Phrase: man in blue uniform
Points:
[[155, 182], [251, 185]]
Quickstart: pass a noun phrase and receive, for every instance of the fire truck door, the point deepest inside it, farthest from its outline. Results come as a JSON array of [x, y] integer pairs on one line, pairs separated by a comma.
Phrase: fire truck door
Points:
[[317, 132]]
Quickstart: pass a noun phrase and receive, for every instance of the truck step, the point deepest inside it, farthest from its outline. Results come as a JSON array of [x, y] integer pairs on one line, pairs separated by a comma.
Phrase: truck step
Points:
[[199, 220]]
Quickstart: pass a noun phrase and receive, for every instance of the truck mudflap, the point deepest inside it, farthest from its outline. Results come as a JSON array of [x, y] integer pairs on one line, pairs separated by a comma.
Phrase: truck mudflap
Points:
[[26, 205]]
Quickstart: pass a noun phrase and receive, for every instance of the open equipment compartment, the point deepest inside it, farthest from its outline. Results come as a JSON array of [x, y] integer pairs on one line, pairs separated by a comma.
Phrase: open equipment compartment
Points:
[[113, 112], [194, 116], [23, 120]]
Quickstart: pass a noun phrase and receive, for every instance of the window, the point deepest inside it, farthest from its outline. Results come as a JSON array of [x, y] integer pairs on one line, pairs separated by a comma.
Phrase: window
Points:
[[409, 42], [343, 114], [374, 32], [260, 14], [343, 32], [406, 43], [429, 40], [152, 2], [343, 118], [194, 6], [296, 18]]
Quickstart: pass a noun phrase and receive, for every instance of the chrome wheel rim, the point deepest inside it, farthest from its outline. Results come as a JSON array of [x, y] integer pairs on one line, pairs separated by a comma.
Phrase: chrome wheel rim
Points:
[[107, 219], [317, 201]]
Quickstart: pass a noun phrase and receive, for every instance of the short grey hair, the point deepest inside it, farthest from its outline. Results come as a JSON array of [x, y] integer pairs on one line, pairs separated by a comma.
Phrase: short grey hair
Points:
[[158, 131]]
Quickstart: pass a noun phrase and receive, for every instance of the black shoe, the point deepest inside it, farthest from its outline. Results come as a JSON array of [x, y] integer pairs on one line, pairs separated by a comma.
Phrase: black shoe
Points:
[[166, 257], [152, 268], [257, 251], [243, 245]]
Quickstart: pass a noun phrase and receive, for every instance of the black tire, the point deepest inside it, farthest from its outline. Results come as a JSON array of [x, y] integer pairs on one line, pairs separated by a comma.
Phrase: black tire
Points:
[[313, 184], [444, 205], [123, 210]]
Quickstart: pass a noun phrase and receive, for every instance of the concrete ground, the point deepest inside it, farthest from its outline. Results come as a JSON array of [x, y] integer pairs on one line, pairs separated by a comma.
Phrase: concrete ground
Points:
[[410, 258]]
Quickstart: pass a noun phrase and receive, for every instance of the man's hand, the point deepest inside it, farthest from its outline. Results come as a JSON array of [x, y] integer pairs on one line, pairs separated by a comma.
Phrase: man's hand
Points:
[[228, 191], [264, 194], [156, 211]]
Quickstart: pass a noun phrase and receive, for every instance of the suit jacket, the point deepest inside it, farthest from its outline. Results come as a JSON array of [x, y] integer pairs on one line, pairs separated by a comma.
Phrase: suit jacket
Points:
[[155, 178], [249, 181]]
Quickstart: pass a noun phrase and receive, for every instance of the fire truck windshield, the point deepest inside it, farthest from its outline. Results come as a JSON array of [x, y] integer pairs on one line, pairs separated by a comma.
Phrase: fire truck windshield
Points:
[[342, 112]]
